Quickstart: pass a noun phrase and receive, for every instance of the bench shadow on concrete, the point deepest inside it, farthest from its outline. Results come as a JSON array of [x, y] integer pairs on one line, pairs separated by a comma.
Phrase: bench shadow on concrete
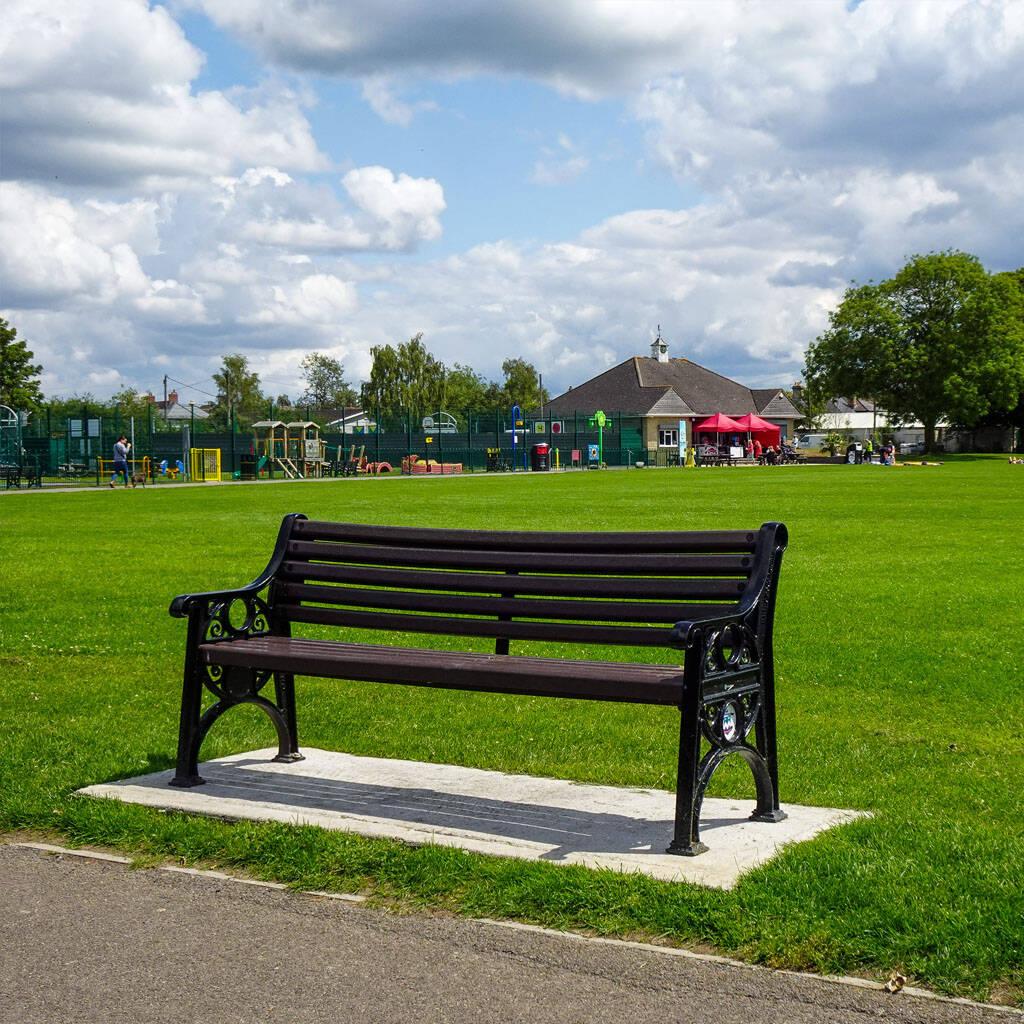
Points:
[[569, 831]]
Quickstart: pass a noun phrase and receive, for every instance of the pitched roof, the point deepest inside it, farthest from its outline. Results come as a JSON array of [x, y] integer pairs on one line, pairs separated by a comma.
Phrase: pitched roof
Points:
[[845, 405], [679, 387], [773, 402]]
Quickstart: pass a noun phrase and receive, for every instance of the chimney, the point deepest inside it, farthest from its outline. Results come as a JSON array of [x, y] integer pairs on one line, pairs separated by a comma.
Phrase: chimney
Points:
[[172, 398], [659, 350], [149, 397]]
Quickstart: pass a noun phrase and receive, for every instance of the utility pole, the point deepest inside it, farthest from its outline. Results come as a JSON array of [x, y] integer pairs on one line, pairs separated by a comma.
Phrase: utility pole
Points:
[[165, 398]]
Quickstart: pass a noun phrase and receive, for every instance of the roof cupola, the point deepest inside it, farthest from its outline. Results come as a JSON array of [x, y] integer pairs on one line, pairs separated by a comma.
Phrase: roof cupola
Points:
[[659, 348]]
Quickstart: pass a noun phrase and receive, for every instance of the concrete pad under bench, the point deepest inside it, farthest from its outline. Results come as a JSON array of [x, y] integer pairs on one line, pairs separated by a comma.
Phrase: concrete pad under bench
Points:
[[481, 811]]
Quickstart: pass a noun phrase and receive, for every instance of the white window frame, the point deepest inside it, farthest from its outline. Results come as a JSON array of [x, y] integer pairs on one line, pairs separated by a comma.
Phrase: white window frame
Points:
[[670, 430]]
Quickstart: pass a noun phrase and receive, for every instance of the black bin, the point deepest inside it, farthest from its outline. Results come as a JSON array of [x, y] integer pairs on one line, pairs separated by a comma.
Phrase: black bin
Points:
[[247, 468], [540, 456]]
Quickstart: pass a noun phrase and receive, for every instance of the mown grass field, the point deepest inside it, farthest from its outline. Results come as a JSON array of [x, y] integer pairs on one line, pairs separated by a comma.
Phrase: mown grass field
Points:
[[899, 650]]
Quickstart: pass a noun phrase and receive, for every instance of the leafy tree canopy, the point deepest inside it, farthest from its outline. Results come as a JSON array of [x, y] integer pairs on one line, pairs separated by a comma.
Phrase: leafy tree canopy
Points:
[[467, 390], [404, 380], [522, 384], [238, 392], [19, 376], [942, 339], [325, 382]]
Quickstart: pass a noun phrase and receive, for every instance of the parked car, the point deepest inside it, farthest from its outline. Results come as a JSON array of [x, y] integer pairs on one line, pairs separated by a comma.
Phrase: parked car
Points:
[[912, 448], [805, 441]]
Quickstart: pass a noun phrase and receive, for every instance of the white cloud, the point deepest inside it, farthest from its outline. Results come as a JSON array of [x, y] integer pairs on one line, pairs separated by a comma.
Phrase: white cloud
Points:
[[52, 251], [379, 92], [99, 92], [316, 300], [405, 210]]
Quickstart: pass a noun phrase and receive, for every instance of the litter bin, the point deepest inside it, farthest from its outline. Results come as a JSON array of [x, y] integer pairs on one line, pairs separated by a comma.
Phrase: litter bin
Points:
[[540, 456], [854, 454], [247, 468]]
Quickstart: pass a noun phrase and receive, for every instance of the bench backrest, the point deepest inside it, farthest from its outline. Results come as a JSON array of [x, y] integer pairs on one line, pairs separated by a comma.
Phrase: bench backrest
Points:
[[602, 588]]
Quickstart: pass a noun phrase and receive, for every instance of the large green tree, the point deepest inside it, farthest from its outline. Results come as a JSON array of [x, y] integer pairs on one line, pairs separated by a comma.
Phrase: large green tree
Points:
[[238, 392], [466, 390], [406, 379], [522, 385], [325, 382], [942, 339], [19, 376]]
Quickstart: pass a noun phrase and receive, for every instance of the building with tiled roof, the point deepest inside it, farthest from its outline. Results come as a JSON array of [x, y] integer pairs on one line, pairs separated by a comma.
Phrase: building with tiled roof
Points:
[[664, 391]]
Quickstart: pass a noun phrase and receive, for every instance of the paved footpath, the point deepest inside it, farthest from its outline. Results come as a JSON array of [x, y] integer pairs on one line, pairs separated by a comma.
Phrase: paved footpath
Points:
[[92, 941]]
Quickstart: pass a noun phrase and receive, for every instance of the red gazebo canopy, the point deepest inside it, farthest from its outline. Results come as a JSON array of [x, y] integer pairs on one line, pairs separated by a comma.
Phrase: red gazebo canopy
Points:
[[719, 424], [752, 424]]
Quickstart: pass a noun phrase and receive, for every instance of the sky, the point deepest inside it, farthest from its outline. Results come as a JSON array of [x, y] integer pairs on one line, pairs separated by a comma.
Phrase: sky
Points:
[[184, 180]]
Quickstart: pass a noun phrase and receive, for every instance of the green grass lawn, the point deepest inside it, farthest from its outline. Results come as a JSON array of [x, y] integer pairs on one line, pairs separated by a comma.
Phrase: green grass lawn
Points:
[[899, 649]]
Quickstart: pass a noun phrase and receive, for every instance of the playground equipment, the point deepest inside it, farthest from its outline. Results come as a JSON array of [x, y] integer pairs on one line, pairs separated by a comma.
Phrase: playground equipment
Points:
[[304, 448], [204, 464], [136, 467], [171, 470], [597, 420], [294, 448], [413, 465], [270, 441]]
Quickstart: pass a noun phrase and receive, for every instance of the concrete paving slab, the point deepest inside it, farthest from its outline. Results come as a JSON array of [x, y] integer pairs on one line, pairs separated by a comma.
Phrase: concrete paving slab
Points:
[[483, 811]]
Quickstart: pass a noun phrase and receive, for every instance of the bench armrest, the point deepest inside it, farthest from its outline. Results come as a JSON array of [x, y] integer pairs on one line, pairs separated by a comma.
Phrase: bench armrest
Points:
[[183, 604], [686, 633]]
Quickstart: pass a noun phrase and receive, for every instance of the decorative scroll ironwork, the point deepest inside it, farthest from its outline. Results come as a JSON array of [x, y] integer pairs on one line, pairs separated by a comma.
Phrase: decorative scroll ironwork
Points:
[[729, 649], [234, 618]]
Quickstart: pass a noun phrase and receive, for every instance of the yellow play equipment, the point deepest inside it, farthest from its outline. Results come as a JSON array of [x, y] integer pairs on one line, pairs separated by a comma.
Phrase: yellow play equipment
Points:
[[204, 464], [136, 467]]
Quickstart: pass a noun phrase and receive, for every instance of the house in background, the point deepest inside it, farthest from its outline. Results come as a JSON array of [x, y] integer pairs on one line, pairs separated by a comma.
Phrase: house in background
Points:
[[173, 412], [353, 420], [860, 418], [664, 391]]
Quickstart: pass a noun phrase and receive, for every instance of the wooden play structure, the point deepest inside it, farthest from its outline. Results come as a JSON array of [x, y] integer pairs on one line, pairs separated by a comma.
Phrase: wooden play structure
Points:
[[305, 449], [294, 448]]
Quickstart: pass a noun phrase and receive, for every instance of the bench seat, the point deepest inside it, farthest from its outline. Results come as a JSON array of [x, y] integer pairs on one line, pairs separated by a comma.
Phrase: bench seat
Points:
[[493, 673], [705, 598]]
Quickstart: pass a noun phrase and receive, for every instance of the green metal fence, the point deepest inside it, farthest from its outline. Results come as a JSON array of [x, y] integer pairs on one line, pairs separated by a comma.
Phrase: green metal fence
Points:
[[71, 446]]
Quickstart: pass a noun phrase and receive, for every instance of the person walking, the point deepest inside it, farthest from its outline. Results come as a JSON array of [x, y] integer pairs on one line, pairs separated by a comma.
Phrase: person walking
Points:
[[122, 447]]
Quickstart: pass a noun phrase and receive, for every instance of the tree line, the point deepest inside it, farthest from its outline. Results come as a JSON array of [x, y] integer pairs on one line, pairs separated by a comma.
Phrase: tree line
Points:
[[940, 341], [405, 379]]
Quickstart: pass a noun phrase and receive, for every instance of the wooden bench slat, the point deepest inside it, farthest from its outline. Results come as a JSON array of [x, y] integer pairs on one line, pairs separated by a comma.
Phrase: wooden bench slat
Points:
[[583, 610], [587, 680], [526, 540], [632, 636], [696, 589], [536, 561]]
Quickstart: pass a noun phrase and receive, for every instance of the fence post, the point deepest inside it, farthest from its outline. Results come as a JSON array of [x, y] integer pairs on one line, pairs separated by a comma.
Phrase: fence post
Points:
[[377, 433], [469, 439]]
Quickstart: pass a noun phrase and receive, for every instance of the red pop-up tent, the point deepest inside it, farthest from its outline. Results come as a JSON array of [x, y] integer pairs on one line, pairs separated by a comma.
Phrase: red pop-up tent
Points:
[[751, 424], [719, 424]]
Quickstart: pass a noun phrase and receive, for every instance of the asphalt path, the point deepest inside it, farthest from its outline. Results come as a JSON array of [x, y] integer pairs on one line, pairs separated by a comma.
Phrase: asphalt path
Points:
[[92, 941]]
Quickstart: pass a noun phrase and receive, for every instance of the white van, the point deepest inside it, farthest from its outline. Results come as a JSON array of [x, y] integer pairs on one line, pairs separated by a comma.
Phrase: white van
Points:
[[809, 441]]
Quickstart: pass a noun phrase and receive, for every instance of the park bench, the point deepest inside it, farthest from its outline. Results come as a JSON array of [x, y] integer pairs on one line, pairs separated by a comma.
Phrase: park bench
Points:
[[708, 595]]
